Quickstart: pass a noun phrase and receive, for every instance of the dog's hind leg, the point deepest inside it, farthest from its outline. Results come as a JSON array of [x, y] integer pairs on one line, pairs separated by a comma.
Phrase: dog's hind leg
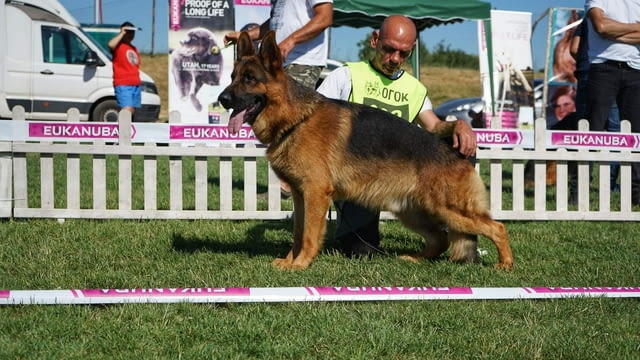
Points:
[[482, 224], [464, 247], [436, 242]]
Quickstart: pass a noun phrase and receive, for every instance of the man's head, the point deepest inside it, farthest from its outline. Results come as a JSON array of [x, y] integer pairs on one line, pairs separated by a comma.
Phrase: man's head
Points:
[[393, 42], [129, 29]]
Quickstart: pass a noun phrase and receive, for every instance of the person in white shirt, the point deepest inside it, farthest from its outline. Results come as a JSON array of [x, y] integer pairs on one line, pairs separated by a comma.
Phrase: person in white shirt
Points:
[[614, 71], [301, 33]]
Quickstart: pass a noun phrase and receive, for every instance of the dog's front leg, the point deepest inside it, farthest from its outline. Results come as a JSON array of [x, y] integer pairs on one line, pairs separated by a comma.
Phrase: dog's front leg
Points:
[[298, 226], [309, 229]]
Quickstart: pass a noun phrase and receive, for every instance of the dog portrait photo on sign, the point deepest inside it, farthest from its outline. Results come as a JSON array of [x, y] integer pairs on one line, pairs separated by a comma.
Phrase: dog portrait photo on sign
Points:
[[330, 149], [197, 62]]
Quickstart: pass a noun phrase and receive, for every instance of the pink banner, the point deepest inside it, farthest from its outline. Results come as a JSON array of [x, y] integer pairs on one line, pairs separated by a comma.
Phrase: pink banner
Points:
[[162, 292], [592, 140], [579, 290], [357, 293], [210, 132], [254, 2], [390, 290], [175, 22], [74, 131], [498, 137]]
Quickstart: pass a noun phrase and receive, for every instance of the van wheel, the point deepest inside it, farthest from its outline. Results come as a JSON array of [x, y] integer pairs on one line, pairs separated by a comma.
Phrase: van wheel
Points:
[[106, 111]]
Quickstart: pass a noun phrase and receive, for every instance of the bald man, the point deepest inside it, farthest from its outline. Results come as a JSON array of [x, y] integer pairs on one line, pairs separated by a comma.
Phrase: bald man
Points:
[[380, 82]]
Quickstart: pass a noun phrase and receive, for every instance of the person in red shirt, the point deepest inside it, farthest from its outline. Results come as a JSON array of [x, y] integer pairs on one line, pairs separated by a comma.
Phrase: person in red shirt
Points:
[[126, 68]]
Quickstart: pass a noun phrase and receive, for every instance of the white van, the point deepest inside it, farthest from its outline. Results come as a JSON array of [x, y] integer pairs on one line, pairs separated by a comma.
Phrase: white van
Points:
[[48, 65]]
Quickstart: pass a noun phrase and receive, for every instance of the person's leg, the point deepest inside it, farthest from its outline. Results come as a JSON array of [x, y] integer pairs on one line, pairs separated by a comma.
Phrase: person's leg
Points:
[[629, 108], [581, 93], [613, 125], [306, 75], [128, 98], [357, 229], [602, 88]]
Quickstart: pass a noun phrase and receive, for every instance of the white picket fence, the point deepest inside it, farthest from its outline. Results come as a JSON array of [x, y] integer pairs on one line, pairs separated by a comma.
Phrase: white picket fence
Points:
[[62, 165]]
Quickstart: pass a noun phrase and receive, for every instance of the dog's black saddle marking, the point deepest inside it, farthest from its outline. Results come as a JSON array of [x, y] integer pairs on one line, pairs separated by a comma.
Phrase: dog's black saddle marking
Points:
[[378, 134]]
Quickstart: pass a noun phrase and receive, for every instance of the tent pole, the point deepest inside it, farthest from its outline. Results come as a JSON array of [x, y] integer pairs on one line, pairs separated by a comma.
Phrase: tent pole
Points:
[[416, 59], [488, 39]]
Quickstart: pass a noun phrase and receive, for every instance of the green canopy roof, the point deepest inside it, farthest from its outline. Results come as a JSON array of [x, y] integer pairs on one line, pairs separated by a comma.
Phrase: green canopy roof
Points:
[[425, 13]]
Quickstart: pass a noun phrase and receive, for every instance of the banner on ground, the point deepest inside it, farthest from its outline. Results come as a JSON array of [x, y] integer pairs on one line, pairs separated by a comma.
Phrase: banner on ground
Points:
[[301, 294]]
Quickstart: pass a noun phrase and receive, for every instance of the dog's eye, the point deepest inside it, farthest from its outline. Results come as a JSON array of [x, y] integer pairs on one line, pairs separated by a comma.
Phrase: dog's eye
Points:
[[215, 50]]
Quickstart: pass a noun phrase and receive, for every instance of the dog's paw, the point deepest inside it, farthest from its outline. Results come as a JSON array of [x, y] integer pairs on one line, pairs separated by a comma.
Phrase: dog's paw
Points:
[[411, 258], [285, 264], [504, 266]]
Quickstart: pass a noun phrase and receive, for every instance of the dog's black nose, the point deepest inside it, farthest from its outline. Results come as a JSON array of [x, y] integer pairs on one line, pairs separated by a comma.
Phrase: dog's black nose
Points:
[[225, 99]]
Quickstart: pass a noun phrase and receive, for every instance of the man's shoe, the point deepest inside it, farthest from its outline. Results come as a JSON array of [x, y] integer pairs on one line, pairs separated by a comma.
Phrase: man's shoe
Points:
[[354, 246]]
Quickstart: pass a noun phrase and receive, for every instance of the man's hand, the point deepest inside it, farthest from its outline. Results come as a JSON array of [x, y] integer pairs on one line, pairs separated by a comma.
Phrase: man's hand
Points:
[[286, 46], [464, 139], [231, 38]]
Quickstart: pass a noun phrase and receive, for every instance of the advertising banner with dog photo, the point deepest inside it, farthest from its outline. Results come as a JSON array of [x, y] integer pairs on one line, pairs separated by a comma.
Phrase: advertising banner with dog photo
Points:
[[561, 81], [512, 69], [199, 64]]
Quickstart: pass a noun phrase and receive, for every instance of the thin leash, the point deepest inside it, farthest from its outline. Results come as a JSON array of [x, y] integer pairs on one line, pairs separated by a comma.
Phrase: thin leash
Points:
[[339, 209]]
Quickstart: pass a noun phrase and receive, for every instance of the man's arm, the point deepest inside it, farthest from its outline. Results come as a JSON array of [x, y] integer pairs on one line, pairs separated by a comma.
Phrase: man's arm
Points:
[[614, 30], [464, 139], [574, 47], [113, 43], [322, 19], [337, 85]]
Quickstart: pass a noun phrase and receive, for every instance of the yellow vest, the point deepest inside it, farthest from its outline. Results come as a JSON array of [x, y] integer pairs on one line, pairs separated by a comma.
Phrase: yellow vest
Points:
[[402, 97]]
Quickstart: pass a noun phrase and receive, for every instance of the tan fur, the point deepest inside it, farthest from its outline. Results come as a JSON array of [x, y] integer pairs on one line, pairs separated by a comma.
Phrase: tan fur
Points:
[[308, 138]]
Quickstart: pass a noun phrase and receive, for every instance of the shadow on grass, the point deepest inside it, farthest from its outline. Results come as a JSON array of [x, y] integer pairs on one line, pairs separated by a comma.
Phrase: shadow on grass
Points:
[[254, 243]]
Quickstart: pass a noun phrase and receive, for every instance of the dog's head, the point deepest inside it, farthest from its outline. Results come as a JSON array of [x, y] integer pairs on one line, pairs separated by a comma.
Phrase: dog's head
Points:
[[199, 43], [252, 75]]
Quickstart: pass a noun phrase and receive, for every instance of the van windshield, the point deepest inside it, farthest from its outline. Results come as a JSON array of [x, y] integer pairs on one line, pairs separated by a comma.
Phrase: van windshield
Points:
[[98, 44]]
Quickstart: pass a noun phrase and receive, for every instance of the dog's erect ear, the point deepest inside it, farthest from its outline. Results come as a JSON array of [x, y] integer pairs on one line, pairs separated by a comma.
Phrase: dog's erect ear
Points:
[[270, 52], [245, 46]]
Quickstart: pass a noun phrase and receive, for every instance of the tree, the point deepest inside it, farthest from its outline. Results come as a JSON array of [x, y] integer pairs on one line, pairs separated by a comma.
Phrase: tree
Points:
[[443, 55]]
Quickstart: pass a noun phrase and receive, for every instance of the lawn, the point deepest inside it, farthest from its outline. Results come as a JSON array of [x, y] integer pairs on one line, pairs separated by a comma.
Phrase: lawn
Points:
[[43, 254]]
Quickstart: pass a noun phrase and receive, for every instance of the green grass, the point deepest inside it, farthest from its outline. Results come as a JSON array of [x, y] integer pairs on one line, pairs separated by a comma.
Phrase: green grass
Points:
[[43, 254]]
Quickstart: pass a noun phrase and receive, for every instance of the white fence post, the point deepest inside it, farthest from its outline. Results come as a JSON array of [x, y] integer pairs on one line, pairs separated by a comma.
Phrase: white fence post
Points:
[[124, 161], [6, 179]]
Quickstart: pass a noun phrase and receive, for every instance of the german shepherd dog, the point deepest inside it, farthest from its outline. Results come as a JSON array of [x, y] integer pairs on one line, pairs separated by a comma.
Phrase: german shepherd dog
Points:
[[330, 149]]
